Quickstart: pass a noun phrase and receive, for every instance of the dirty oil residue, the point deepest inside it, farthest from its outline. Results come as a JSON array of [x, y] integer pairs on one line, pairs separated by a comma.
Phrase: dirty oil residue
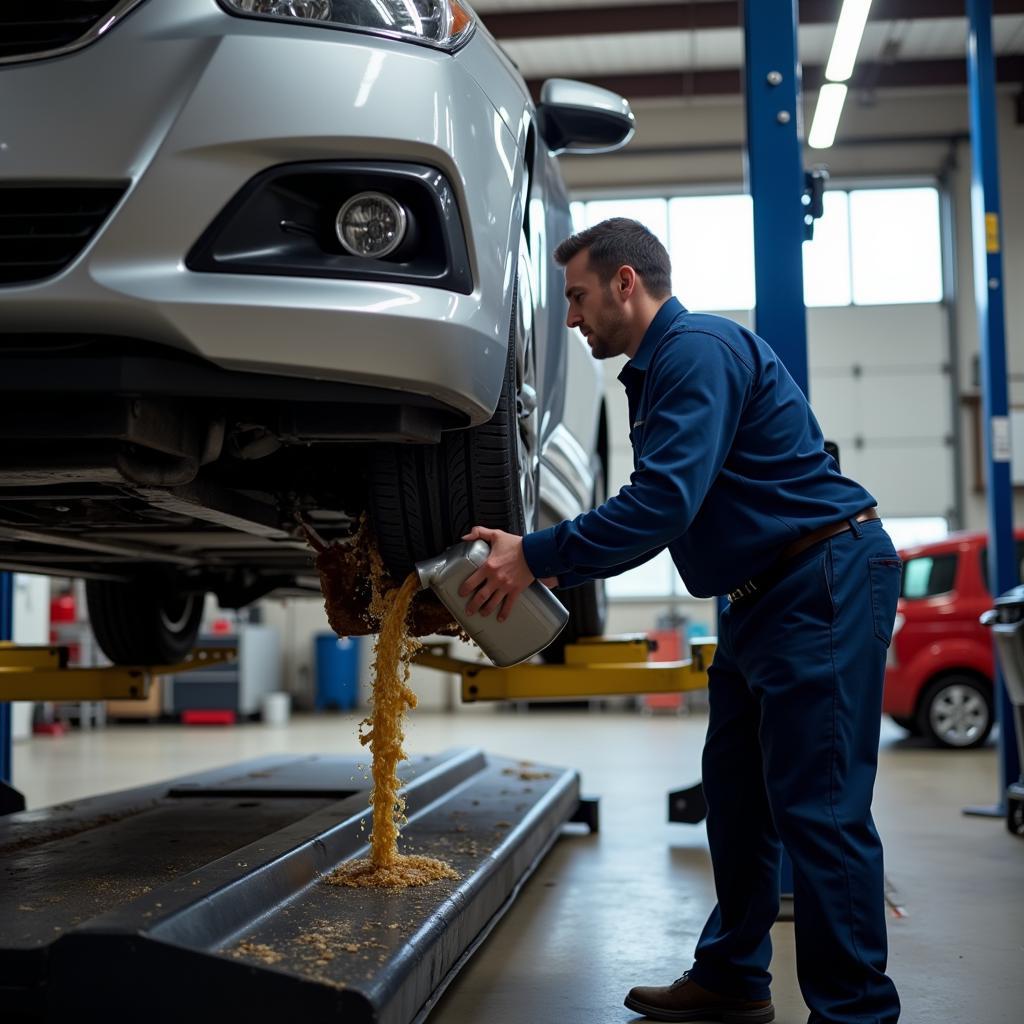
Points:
[[526, 772], [326, 951], [257, 951]]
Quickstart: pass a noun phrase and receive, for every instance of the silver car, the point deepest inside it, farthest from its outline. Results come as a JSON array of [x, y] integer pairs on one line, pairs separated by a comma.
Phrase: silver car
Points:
[[270, 259]]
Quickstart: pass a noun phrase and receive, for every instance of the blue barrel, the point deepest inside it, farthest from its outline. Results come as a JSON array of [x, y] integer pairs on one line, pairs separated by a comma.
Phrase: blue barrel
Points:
[[337, 671]]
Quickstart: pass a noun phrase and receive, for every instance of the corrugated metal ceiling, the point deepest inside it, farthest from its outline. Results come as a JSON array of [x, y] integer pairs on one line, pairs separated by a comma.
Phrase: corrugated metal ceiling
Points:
[[723, 48]]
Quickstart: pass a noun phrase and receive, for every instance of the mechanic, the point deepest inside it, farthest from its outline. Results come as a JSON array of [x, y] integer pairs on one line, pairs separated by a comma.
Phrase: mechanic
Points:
[[731, 474]]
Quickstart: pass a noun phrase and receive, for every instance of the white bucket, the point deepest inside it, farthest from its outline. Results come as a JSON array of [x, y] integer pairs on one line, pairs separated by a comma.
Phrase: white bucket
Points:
[[276, 708]]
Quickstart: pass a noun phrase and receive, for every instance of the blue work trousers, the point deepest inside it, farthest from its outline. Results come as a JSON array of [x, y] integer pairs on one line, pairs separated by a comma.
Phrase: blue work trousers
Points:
[[790, 759]]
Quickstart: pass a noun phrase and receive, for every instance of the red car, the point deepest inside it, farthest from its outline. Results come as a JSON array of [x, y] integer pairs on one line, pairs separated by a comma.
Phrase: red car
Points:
[[938, 678]]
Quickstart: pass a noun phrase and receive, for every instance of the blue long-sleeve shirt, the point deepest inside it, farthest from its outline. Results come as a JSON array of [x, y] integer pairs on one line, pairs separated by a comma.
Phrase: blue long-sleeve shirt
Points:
[[729, 464]]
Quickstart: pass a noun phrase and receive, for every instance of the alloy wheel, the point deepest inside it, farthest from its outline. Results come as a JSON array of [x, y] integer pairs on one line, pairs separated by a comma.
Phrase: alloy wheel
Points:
[[176, 610], [958, 715]]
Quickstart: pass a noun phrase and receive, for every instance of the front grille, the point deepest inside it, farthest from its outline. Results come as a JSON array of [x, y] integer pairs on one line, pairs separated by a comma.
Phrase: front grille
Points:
[[31, 27], [43, 228]]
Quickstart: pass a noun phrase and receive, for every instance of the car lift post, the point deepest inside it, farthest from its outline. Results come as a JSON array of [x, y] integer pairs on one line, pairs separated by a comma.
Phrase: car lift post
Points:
[[6, 633], [988, 291], [775, 178]]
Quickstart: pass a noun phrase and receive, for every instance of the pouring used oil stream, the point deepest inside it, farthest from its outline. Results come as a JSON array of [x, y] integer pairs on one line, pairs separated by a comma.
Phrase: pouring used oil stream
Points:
[[383, 733]]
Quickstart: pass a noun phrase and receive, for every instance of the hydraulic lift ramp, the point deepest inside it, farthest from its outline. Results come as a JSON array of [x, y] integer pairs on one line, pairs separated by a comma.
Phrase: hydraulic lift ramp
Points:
[[207, 896]]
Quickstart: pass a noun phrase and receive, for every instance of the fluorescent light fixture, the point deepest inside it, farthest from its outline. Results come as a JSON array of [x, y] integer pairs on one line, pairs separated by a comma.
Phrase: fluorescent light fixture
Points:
[[826, 115], [849, 31]]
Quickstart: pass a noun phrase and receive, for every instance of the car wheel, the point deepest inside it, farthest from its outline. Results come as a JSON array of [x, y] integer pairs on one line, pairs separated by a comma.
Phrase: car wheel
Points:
[[956, 711], [423, 498], [908, 723], [1015, 815], [149, 621], [587, 604]]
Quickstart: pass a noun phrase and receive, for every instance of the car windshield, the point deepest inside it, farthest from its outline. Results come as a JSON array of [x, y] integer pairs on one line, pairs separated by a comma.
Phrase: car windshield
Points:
[[928, 575]]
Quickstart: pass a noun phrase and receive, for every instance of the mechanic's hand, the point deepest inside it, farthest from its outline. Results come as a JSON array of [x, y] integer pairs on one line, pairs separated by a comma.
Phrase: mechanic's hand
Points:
[[497, 584]]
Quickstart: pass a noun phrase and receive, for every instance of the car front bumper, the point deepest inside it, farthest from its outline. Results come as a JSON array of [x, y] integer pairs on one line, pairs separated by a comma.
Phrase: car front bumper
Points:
[[185, 105]]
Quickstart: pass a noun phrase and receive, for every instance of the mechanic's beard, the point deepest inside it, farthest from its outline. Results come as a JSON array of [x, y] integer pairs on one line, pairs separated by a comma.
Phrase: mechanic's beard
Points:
[[612, 337]]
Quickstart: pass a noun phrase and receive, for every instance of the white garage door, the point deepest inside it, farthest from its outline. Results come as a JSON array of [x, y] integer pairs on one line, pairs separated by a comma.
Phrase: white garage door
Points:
[[880, 388]]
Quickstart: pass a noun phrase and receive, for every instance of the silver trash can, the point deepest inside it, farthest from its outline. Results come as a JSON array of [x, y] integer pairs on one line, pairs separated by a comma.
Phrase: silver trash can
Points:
[[1006, 620]]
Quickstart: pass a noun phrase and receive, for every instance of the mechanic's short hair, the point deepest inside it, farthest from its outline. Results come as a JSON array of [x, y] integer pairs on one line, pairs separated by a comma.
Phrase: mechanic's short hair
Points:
[[618, 242]]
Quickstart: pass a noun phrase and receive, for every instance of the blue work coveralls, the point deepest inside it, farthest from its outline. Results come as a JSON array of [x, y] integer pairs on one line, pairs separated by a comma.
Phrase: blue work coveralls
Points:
[[729, 470]]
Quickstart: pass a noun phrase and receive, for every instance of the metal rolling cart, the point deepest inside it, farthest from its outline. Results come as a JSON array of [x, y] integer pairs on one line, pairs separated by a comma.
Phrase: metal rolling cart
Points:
[[1006, 620]]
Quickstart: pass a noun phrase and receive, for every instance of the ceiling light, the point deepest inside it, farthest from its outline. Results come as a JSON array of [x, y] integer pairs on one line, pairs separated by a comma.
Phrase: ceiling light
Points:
[[826, 115], [849, 31]]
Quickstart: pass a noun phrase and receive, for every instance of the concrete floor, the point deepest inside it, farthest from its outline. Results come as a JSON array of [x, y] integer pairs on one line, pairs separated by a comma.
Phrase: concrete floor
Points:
[[625, 906]]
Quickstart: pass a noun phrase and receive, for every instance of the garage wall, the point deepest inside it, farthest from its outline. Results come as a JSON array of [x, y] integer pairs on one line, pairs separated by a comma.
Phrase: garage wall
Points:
[[1011, 159], [880, 376], [880, 388]]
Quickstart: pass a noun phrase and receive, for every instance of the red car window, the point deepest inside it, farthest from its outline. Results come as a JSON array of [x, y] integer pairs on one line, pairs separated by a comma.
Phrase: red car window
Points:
[[927, 576]]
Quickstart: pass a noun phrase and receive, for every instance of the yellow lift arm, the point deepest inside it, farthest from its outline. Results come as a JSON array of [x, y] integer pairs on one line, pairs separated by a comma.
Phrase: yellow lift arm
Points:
[[43, 673], [594, 667]]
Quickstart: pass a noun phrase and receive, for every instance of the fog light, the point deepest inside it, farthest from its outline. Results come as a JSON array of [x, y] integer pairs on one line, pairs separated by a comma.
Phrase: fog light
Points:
[[371, 224]]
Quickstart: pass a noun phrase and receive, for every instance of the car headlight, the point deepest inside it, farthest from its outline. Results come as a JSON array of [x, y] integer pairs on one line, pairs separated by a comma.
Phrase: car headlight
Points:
[[441, 23]]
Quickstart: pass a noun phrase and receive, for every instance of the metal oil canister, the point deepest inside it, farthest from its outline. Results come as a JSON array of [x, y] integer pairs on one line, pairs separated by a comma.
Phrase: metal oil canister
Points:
[[537, 618]]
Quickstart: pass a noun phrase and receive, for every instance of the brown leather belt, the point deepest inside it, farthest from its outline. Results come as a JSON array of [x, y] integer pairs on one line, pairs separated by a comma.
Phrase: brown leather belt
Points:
[[762, 581]]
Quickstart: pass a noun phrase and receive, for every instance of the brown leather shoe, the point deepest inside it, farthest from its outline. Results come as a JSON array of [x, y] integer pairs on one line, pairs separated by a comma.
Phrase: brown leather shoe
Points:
[[686, 1000]]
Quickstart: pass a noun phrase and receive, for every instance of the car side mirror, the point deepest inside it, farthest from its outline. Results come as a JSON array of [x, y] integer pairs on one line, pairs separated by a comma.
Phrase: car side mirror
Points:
[[575, 117]]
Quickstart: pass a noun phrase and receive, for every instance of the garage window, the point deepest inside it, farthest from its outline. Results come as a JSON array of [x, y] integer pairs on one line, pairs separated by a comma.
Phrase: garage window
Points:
[[710, 240], [651, 212], [911, 531], [712, 251], [827, 280], [657, 578], [873, 246], [895, 249]]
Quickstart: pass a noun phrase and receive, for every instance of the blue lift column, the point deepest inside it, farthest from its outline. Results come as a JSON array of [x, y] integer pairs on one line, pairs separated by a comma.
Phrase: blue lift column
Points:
[[6, 633], [775, 178], [988, 290]]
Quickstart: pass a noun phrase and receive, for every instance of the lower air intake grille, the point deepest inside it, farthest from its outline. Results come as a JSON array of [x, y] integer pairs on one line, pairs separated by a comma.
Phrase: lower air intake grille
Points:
[[43, 228]]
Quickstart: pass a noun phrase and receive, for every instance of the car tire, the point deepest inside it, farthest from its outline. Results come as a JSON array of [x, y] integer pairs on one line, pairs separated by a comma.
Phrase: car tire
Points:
[[149, 621], [1015, 815], [907, 722], [423, 498], [956, 711], [587, 604]]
